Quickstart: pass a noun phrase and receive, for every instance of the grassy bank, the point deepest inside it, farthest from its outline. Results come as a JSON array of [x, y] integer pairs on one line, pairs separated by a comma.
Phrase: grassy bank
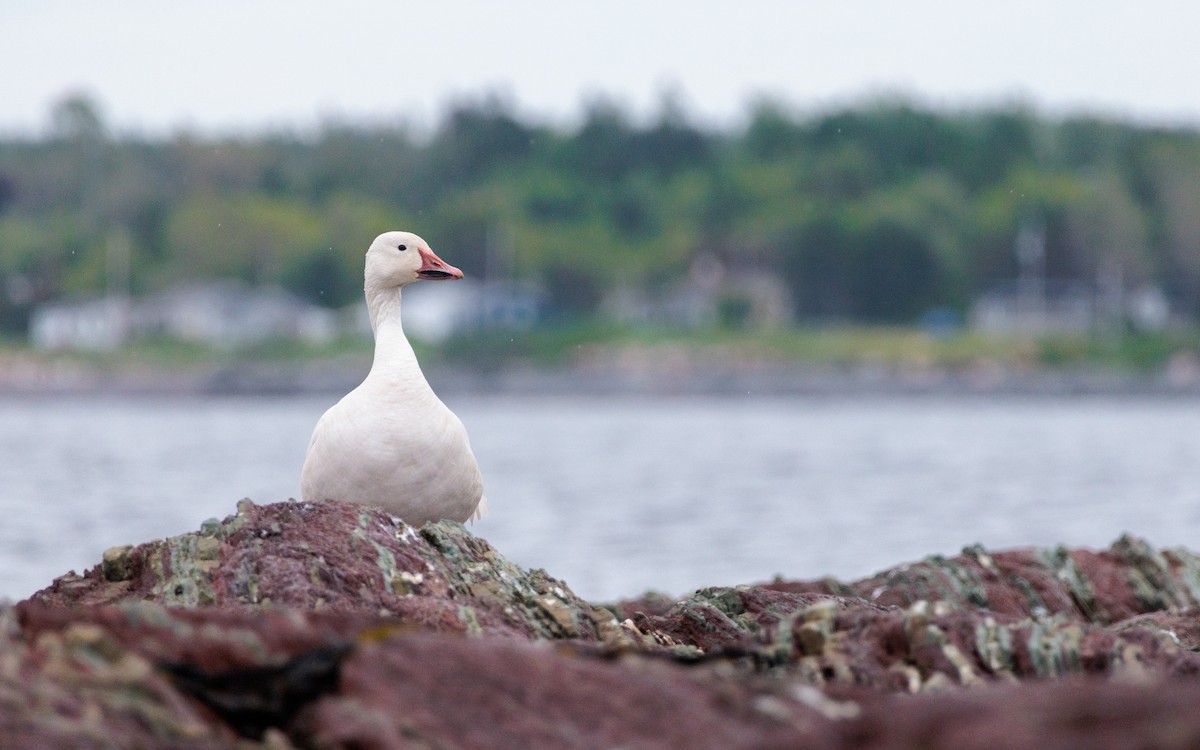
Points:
[[563, 346], [835, 346]]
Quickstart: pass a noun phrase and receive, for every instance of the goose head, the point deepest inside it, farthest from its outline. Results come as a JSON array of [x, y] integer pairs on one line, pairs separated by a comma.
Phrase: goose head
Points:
[[396, 259]]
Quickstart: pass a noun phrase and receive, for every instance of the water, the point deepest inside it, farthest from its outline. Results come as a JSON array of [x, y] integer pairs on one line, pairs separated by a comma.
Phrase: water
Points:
[[617, 496]]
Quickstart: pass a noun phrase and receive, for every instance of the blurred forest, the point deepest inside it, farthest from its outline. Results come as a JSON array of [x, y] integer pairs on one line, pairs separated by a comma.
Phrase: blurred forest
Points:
[[876, 213]]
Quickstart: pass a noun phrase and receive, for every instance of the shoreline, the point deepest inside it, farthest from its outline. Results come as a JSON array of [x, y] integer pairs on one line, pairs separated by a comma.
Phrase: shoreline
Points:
[[665, 379]]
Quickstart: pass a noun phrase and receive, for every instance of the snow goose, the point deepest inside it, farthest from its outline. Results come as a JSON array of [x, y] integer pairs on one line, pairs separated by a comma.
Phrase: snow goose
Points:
[[391, 442]]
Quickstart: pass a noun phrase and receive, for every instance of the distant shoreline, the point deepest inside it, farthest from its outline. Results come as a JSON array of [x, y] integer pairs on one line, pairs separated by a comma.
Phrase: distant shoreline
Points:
[[337, 377]]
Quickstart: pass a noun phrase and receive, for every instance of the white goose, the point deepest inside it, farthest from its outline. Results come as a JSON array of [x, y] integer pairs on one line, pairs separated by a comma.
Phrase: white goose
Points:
[[391, 442]]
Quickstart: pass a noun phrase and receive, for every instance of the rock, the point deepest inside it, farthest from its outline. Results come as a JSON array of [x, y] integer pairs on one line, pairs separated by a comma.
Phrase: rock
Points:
[[479, 693], [1130, 578], [78, 687], [974, 618], [141, 674], [346, 558], [115, 563], [334, 679], [332, 625]]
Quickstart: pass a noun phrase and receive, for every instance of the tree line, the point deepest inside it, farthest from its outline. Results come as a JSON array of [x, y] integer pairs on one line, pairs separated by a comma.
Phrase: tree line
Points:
[[872, 213]]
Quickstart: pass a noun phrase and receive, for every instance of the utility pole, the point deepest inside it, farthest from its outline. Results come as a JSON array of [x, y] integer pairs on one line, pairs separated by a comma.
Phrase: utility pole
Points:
[[1110, 298], [499, 257], [118, 252], [1030, 249]]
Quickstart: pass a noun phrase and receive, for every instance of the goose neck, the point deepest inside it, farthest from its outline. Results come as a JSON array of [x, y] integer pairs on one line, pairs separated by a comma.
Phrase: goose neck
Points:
[[394, 354]]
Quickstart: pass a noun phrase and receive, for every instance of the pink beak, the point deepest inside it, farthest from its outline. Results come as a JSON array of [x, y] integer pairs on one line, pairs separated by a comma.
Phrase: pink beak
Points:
[[434, 268]]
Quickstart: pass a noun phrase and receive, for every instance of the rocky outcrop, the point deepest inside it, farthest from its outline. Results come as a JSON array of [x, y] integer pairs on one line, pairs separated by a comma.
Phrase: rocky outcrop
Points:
[[331, 625], [965, 620], [340, 557]]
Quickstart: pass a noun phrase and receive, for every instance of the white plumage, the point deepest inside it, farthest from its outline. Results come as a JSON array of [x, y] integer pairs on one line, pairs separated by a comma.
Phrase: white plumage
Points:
[[391, 442]]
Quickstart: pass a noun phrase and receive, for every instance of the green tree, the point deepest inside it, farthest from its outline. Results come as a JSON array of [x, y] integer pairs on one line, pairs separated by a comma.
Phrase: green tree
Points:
[[1174, 177], [870, 213], [475, 138], [251, 238]]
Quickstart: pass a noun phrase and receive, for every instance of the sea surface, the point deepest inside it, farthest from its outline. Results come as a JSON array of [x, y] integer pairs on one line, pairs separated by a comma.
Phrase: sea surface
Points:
[[621, 495]]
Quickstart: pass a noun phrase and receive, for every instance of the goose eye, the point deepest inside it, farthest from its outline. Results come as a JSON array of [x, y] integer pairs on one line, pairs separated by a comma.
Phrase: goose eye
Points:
[[402, 247]]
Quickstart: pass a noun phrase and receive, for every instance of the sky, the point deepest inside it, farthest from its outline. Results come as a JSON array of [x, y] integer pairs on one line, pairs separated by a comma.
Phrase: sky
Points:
[[239, 66]]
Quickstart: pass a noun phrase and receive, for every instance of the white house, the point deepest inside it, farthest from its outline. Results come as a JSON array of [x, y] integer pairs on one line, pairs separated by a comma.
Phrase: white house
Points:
[[232, 314], [1066, 307], [221, 313], [434, 312], [96, 325]]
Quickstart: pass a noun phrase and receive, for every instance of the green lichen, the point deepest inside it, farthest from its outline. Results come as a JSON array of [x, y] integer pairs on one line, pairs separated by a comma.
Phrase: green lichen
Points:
[[1059, 561], [386, 561], [1149, 575], [924, 581], [532, 599], [993, 646], [1186, 571], [1053, 645], [466, 616]]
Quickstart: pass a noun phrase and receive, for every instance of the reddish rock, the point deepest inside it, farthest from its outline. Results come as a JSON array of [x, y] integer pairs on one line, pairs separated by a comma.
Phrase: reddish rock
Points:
[[77, 687], [468, 693], [112, 676], [1129, 578], [342, 557], [332, 625], [1075, 714], [1181, 626]]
